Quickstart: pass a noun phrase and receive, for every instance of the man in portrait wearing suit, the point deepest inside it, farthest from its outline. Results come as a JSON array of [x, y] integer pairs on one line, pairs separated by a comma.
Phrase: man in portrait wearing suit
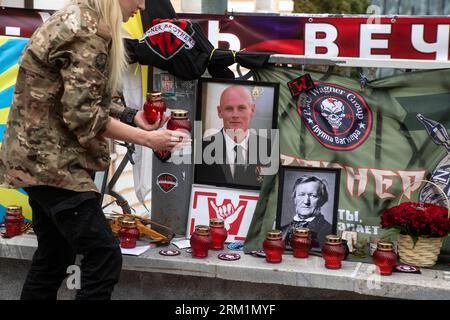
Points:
[[232, 154], [309, 195]]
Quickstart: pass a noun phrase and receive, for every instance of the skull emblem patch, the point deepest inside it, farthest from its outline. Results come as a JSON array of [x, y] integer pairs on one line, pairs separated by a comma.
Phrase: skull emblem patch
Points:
[[339, 118]]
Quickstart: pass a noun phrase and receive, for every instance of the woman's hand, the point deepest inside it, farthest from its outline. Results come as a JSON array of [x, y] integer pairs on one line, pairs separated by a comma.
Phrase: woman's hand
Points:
[[167, 140], [142, 122]]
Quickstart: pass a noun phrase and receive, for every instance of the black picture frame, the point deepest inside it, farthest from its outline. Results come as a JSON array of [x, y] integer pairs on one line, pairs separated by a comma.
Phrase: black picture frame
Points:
[[208, 96], [328, 178]]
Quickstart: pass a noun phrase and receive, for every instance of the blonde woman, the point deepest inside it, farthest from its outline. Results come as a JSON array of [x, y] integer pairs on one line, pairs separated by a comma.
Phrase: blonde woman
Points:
[[56, 138]]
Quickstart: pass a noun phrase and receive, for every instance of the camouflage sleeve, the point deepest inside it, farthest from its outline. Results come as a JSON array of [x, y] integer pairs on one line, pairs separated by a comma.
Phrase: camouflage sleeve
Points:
[[116, 109], [86, 98]]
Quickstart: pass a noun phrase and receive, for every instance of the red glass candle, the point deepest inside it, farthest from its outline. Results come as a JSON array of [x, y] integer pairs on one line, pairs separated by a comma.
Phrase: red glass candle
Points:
[[154, 107], [179, 120], [333, 252], [200, 241], [301, 242], [274, 246], [385, 258], [218, 233], [128, 234], [13, 221]]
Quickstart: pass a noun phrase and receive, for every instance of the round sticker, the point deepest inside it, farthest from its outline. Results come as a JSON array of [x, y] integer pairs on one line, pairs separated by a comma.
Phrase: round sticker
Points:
[[228, 256], [406, 268], [169, 252], [258, 253]]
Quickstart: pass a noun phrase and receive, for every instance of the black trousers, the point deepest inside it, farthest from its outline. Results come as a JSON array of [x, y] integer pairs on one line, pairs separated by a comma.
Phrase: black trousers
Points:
[[68, 223]]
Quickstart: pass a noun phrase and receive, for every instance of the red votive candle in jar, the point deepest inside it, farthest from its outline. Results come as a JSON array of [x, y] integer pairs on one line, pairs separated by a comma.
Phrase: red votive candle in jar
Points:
[[13, 221], [301, 242], [179, 120], [200, 241], [333, 252], [154, 107], [385, 258], [128, 234], [218, 233], [274, 246]]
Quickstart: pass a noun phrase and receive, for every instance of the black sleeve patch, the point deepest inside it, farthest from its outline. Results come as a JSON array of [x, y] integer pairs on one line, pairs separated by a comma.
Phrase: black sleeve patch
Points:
[[100, 62]]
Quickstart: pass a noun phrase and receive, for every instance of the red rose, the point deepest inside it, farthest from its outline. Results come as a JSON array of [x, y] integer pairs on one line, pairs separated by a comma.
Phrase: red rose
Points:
[[417, 219]]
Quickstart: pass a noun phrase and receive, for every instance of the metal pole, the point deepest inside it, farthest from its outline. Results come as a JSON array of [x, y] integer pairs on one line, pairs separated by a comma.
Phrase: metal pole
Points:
[[214, 6]]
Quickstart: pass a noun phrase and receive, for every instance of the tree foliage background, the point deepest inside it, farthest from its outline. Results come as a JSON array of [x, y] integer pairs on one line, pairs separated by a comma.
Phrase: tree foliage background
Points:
[[334, 7], [331, 6]]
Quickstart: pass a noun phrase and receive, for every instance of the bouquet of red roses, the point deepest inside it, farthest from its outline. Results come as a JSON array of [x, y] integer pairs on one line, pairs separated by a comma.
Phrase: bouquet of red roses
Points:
[[417, 220]]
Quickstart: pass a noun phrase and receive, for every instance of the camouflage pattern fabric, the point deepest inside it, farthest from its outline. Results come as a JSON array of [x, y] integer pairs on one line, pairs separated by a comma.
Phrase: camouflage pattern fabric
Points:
[[61, 105]]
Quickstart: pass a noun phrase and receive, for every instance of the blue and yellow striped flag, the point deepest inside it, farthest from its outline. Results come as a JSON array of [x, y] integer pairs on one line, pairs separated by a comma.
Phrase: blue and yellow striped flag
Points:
[[10, 50]]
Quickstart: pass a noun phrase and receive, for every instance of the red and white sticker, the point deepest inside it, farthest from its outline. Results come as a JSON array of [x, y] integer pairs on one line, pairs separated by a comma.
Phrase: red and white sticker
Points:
[[167, 182], [169, 252], [229, 256]]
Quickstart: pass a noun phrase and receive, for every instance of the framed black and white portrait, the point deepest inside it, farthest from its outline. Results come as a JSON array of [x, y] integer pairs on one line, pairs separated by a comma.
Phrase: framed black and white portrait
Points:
[[308, 198], [238, 142]]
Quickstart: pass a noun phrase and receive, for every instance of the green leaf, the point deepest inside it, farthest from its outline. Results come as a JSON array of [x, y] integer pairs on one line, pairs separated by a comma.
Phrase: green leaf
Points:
[[414, 239], [389, 233]]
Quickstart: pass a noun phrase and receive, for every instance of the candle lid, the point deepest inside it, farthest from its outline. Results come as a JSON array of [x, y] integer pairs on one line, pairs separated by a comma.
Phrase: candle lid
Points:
[[14, 209], [301, 232], [179, 113], [274, 235], [154, 95], [216, 222], [333, 239], [385, 246], [202, 230], [128, 223]]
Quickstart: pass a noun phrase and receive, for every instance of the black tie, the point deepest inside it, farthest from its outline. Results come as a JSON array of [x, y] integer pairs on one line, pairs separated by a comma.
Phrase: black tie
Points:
[[238, 162], [238, 155]]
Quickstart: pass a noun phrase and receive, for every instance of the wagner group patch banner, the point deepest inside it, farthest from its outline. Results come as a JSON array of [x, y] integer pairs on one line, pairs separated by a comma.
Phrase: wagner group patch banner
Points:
[[383, 139]]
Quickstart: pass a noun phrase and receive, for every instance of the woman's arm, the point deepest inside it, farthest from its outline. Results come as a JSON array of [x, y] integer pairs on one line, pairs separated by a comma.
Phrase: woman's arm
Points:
[[158, 140]]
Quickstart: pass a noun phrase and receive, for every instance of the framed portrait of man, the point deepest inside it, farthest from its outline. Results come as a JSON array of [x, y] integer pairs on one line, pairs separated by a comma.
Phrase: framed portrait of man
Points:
[[238, 144], [308, 198]]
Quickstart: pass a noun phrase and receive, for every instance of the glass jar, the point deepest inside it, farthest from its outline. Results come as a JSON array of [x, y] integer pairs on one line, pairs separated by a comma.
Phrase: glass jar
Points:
[[218, 233], [274, 246], [128, 234], [333, 252], [385, 258], [179, 120], [301, 242], [154, 107], [200, 241], [13, 221]]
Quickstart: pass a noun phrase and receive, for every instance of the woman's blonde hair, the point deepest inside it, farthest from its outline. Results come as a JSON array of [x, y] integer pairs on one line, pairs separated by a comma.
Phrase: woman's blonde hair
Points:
[[109, 11]]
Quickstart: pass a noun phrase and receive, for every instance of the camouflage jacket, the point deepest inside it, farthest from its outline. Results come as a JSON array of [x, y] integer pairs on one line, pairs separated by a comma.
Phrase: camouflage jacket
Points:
[[61, 105]]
